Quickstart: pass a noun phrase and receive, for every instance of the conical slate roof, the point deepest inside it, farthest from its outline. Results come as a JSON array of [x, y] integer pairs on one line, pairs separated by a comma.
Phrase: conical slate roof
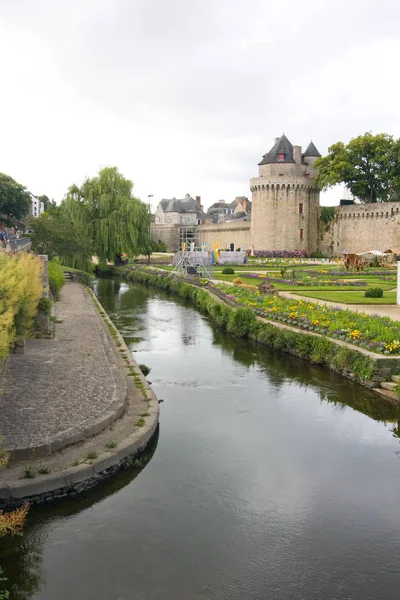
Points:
[[311, 150], [281, 146]]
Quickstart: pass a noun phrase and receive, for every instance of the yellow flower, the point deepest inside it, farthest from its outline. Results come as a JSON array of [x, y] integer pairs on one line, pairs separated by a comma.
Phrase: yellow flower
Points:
[[355, 334]]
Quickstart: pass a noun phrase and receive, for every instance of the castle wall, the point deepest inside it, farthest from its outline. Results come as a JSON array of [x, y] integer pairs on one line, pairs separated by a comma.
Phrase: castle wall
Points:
[[167, 233], [278, 217], [362, 227], [285, 207], [226, 234]]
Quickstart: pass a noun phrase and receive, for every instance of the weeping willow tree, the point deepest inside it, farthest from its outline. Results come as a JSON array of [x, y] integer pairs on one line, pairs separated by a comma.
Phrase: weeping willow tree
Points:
[[105, 209]]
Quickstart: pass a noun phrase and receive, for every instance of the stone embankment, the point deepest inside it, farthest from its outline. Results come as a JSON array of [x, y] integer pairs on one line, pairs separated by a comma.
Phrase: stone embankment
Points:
[[74, 409]]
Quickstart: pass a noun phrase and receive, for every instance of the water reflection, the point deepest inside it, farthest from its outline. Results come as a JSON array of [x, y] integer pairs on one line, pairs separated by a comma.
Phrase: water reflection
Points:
[[273, 478], [22, 557]]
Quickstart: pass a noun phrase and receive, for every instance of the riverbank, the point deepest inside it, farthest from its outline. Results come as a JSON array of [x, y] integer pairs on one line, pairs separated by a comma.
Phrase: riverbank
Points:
[[365, 367], [75, 409]]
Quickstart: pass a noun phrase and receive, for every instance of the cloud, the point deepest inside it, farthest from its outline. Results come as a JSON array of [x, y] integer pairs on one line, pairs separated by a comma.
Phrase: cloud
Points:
[[185, 95]]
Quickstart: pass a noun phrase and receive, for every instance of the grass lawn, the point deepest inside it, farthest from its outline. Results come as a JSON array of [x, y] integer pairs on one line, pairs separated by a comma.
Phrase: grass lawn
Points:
[[349, 297], [385, 285]]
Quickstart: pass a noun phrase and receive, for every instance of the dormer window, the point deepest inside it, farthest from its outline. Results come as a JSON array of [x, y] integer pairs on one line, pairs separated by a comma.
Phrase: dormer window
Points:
[[281, 156]]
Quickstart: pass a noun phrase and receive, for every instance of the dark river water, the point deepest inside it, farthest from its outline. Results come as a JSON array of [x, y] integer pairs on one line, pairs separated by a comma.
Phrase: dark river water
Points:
[[270, 479]]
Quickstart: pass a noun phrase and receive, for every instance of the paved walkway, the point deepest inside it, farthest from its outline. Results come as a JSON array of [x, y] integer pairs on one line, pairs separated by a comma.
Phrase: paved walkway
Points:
[[61, 385]]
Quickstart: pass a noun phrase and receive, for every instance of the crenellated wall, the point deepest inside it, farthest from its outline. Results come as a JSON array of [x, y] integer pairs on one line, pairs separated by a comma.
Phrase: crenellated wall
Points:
[[362, 227]]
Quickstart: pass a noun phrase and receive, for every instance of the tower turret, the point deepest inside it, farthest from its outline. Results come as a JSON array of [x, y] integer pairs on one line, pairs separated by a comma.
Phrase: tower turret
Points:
[[285, 199]]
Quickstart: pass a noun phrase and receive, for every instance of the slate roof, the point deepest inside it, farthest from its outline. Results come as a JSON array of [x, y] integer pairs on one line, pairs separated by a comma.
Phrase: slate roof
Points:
[[311, 150], [241, 216], [181, 206], [281, 146]]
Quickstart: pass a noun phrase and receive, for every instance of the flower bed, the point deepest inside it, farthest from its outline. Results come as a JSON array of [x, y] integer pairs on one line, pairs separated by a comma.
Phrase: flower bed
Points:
[[374, 333]]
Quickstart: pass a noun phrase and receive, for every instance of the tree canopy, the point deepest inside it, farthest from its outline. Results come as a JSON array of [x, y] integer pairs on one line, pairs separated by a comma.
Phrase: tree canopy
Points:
[[369, 165], [47, 203], [108, 214], [14, 198], [53, 234]]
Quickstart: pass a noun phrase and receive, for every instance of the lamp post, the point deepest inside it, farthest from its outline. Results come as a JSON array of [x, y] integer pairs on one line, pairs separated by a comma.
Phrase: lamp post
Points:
[[150, 196]]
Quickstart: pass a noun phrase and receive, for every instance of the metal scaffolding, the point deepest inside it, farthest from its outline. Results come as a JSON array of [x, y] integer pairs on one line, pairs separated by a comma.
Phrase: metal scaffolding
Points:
[[193, 263], [188, 235]]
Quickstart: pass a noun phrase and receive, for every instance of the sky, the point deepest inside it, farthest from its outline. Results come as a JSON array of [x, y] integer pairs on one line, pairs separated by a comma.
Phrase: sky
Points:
[[185, 96]]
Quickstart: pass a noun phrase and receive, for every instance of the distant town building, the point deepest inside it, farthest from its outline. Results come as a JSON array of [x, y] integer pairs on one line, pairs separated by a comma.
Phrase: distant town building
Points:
[[187, 211], [221, 211], [36, 207]]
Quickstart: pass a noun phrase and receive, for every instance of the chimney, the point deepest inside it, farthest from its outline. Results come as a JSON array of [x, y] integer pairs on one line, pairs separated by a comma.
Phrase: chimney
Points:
[[198, 203], [244, 204], [297, 154]]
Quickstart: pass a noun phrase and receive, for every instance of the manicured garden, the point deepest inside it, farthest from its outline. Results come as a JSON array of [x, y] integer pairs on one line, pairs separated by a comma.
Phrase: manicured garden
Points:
[[374, 333]]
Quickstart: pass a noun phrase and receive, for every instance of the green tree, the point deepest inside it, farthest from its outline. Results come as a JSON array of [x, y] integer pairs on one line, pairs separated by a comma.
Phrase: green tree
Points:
[[14, 198], [53, 234], [47, 203], [110, 216], [369, 165]]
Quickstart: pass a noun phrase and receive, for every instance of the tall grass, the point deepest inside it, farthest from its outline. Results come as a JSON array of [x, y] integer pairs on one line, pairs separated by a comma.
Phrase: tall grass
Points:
[[56, 278]]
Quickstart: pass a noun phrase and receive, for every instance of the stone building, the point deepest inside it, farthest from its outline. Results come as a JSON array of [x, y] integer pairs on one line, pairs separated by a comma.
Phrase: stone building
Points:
[[283, 214], [222, 211], [172, 215], [285, 199]]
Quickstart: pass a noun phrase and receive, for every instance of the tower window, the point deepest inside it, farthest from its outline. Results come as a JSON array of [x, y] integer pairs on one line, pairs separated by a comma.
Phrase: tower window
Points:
[[302, 234], [300, 208], [281, 156]]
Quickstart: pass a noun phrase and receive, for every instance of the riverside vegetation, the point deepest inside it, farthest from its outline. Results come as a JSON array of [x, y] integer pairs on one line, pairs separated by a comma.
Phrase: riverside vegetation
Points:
[[241, 321], [21, 290]]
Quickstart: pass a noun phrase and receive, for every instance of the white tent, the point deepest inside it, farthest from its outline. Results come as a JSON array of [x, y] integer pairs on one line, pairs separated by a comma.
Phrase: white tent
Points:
[[371, 253]]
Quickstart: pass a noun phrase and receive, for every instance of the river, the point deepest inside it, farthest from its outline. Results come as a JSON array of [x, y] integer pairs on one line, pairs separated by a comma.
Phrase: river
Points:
[[270, 479]]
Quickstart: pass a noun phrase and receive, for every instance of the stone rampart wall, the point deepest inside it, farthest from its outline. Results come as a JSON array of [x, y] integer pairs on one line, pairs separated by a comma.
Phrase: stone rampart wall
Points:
[[226, 234], [359, 228]]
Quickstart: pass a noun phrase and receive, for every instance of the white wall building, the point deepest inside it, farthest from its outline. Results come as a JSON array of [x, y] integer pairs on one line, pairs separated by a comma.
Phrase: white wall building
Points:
[[37, 207]]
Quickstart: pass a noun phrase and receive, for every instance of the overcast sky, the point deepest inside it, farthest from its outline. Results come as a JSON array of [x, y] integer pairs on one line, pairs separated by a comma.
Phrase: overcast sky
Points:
[[187, 95]]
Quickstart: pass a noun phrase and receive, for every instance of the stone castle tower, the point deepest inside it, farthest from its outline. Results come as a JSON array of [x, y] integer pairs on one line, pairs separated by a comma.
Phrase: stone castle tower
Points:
[[285, 200]]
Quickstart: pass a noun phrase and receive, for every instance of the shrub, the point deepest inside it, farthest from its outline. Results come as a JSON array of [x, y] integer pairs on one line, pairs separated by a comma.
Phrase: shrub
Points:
[[374, 293], [56, 278], [145, 369], [20, 291], [45, 305], [228, 271], [241, 322]]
